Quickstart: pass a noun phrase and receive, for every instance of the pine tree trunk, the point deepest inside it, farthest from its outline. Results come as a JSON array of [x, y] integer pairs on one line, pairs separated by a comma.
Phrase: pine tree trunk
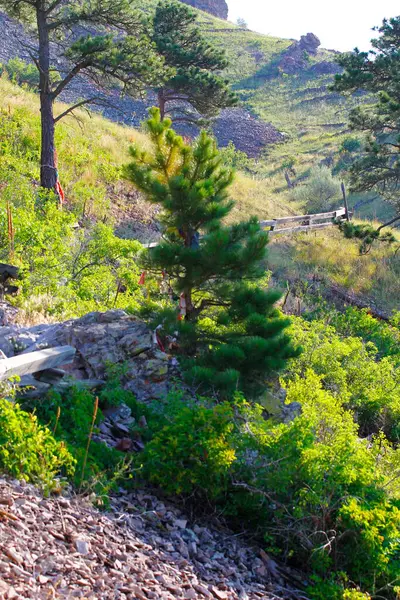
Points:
[[48, 175], [190, 309], [161, 103]]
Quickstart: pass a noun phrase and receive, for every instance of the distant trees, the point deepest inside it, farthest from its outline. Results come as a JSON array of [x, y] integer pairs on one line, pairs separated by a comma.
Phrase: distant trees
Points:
[[195, 90], [242, 23], [114, 47], [229, 328], [378, 72]]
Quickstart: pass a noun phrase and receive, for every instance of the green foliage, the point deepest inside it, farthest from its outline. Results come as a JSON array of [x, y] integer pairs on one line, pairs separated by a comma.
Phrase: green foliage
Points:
[[311, 489], [377, 72], [349, 369], [320, 192], [195, 64], [366, 233], [21, 72], [69, 415], [235, 159], [359, 323], [193, 452], [29, 451], [349, 152], [231, 332]]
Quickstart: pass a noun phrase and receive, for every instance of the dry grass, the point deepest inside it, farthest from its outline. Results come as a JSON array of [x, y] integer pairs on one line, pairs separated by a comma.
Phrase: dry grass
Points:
[[329, 255]]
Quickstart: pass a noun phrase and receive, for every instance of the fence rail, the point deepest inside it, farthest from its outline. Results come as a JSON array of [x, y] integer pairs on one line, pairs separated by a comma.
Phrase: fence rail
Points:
[[315, 221], [33, 362]]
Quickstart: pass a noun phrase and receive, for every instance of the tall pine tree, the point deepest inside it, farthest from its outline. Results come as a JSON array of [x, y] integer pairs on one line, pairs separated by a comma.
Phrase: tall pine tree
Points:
[[116, 48], [196, 90], [229, 329], [377, 72]]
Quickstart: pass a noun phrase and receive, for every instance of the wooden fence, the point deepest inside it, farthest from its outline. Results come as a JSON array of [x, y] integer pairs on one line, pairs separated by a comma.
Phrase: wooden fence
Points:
[[35, 362], [307, 222], [316, 221]]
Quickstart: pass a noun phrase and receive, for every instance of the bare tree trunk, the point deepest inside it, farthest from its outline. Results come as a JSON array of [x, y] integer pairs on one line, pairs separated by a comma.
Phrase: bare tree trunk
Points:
[[48, 174], [161, 103], [288, 181]]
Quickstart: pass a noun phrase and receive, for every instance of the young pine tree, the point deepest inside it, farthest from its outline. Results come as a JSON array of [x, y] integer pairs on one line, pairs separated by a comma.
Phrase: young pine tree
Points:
[[230, 333]]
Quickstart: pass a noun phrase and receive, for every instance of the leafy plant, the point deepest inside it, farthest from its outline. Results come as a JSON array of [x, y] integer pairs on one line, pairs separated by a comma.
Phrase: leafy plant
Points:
[[29, 451]]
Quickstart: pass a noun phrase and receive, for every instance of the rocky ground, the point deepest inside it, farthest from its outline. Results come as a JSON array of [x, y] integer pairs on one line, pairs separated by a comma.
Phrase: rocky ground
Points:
[[143, 548]]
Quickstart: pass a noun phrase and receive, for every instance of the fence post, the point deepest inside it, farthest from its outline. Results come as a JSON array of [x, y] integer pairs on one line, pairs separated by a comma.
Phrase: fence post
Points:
[[346, 206]]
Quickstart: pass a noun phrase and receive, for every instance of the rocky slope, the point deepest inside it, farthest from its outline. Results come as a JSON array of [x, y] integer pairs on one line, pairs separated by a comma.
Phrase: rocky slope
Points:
[[231, 125], [143, 549], [218, 8]]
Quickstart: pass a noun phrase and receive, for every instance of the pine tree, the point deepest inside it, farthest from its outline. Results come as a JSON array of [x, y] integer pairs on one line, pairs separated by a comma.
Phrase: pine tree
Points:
[[230, 330], [117, 50], [196, 90], [376, 72]]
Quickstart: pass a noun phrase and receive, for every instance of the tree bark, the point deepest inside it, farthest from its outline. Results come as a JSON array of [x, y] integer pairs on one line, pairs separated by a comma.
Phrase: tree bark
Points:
[[48, 173], [161, 103], [288, 181]]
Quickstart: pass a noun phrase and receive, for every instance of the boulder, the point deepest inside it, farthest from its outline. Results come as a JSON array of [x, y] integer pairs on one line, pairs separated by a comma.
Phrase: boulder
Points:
[[309, 43], [101, 339]]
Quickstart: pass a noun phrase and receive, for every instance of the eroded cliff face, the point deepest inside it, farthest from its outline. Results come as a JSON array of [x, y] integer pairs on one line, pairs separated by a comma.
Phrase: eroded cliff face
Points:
[[218, 8]]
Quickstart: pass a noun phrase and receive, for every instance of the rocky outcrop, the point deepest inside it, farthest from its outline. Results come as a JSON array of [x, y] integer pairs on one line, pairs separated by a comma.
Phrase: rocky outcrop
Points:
[[296, 56], [309, 43], [249, 134], [218, 8], [100, 339]]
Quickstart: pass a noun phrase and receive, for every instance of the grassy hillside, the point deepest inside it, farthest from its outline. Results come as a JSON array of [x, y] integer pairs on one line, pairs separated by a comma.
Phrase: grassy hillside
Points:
[[92, 151], [313, 119]]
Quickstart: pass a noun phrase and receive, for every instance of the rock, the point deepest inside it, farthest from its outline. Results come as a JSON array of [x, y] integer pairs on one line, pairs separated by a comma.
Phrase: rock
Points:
[[248, 133], [125, 444], [218, 8], [131, 553], [219, 594], [180, 523], [309, 43], [82, 547], [296, 56], [291, 411]]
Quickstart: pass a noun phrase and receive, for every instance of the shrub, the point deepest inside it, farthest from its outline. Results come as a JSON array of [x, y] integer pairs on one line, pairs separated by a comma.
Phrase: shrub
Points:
[[320, 192], [70, 415], [311, 490], [193, 452], [22, 72], [349, 368], [29, 451]]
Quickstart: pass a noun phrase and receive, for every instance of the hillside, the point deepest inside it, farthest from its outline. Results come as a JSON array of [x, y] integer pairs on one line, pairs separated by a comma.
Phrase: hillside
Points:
[[286, 107], [91, 153], [215, 415]]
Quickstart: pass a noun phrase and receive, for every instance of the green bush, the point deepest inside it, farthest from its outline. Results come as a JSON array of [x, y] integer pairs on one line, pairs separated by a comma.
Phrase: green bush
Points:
[[312, 490], [320, 192], [70, 416], [29, 451], [193, 452], [350, 369], [22, 72]]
